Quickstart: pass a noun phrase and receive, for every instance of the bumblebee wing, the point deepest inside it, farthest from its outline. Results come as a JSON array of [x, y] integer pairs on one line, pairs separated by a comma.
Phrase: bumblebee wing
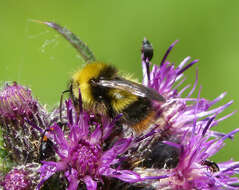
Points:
[[132, 87]]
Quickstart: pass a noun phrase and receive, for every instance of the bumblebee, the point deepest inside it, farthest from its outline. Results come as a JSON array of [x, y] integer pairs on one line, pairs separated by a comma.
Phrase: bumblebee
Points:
[[104, 91]]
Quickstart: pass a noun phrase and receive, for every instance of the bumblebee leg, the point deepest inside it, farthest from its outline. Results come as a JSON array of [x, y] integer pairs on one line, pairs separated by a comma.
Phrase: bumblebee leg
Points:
[[60, 107]]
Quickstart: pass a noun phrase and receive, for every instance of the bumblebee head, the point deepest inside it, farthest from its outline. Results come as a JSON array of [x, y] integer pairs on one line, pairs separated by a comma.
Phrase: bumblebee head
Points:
[[85, 78]]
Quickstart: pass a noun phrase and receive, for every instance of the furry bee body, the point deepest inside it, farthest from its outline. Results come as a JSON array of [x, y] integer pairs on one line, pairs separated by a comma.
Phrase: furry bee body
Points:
[[137, 111]]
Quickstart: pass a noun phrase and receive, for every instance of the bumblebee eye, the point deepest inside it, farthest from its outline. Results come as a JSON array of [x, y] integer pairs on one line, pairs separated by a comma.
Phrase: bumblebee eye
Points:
[[147, 50]]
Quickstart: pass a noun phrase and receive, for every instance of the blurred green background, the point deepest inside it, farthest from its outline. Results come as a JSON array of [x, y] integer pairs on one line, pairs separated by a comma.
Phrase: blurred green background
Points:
[[39, 58]]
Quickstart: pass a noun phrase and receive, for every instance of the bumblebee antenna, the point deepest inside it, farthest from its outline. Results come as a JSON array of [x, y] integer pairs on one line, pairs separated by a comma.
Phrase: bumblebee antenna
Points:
[[61, 100], [80, 46]]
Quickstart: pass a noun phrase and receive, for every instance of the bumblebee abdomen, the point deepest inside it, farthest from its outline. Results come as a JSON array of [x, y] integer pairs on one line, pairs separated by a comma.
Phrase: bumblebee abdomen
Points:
[[121, 99], [139, 114]]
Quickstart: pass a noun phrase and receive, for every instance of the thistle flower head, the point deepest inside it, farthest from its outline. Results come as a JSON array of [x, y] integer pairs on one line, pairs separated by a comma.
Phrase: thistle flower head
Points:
[[187, 123], [23, 177], [21, 117], [194, 169], [17, 103], [82, 155], [17, 179]]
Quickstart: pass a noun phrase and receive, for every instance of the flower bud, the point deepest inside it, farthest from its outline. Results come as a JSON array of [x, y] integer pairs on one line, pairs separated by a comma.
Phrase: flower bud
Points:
[[23, 177], [21, 121]]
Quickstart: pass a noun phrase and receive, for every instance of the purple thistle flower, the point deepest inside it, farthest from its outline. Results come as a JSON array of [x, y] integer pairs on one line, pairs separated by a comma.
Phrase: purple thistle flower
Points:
[[179, 114], [186, 124], [81, 153], [22, 119], [24, 177], [192, 172], [17, 103]]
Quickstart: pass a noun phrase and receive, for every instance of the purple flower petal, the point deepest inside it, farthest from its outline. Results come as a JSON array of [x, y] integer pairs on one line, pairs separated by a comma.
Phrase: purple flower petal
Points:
[[59, 137], [47, 170], [90, 183], [124, 175], [72, 177], [96, 135], [118, 148], [167, 52]]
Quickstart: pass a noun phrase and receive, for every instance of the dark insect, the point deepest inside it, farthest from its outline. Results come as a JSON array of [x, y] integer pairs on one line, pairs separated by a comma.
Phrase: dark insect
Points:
[[161, 155], [147, 50], [47, 150], [212, 166]]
